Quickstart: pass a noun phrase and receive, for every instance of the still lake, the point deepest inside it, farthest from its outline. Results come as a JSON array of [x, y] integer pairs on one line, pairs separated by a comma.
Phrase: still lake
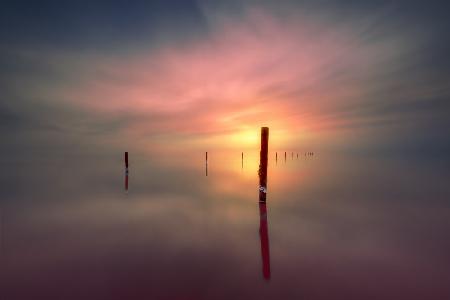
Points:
[[338, 227]]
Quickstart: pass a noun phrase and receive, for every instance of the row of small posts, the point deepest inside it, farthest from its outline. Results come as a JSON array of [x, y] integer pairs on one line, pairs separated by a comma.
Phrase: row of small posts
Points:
[[242, 158]]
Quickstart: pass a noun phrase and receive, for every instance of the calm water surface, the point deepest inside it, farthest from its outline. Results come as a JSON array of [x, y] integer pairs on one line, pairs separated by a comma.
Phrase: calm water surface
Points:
[[338, 228]]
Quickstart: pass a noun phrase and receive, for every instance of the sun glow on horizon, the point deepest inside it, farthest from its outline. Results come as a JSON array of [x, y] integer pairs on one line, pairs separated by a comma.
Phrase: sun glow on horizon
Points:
[[246, 138]]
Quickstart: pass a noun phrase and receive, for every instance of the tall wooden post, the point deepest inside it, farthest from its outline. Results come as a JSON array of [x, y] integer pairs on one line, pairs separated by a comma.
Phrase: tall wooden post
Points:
[[206, 164], [263, 157]]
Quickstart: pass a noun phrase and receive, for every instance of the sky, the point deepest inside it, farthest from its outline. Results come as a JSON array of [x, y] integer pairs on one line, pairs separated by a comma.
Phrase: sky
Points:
[[369, 77]]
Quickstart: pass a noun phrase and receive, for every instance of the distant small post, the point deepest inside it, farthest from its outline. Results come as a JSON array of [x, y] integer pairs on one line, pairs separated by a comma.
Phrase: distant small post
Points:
[[206, 163], [242, 160], [284, 156], [263, 157], [126, 171]]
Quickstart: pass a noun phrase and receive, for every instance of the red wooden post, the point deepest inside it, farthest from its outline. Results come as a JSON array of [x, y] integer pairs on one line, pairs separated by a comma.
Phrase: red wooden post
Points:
[[263, 157], [126, 171]]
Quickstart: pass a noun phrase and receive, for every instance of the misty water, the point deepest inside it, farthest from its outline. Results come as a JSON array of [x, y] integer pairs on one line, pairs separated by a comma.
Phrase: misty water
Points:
[[339, 227]]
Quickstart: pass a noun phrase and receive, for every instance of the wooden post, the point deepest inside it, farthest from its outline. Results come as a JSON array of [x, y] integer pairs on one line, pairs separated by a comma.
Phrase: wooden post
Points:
[[284, 156], [242, 160], [126, 171], [206, 164], [263, 157]]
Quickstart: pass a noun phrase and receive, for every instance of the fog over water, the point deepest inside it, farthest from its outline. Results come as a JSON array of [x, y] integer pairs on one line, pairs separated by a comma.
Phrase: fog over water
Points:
[[339, 226]]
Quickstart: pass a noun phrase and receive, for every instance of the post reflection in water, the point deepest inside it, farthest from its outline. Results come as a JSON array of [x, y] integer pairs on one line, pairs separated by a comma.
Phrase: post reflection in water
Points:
[[206, 163], [264, 238], [263, 224]]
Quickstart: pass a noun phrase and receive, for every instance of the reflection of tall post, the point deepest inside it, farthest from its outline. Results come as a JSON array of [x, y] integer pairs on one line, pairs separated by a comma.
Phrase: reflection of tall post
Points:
[[126, 171], [263, 157], [264, 238], [206, 164]]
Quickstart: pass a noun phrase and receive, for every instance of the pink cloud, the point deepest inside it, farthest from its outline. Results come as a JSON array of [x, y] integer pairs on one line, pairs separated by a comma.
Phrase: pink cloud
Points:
[[256, 71]]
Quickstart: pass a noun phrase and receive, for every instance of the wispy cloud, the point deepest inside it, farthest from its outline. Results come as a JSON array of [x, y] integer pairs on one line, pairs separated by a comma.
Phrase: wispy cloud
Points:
[[309, 75], [293, 74]]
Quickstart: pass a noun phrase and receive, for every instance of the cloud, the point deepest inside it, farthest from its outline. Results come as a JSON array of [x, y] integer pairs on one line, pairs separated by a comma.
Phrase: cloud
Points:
[[315, 74], [292, 74]]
